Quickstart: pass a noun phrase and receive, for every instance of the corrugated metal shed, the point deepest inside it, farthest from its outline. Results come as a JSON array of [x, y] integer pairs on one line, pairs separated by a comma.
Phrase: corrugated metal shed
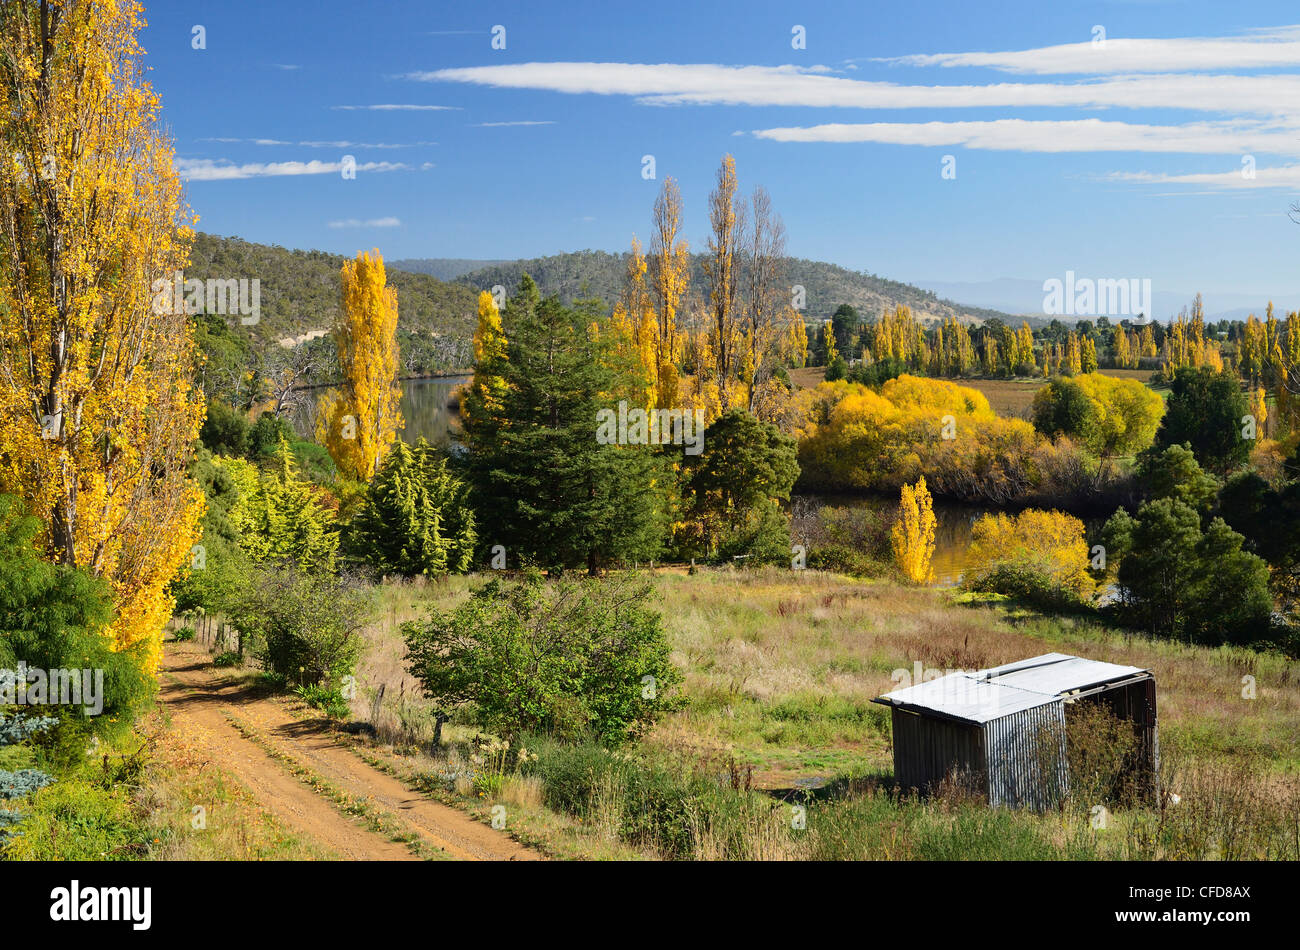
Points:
[[1007, 723]]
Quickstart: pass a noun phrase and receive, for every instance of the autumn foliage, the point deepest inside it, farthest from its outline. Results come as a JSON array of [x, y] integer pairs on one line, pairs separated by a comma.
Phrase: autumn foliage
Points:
[[97, 409], [1041, 550], [361, 420], [912, 537]]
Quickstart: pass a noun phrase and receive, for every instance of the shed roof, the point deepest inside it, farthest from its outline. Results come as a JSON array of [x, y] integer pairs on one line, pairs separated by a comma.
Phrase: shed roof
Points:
[[990, 694]]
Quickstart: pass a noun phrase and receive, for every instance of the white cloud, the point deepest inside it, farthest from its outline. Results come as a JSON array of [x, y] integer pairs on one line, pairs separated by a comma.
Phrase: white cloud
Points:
[[668, 84], [1282, 176], [398, 107], [371, 223], [207, 169], [495, 125], [1075, 135], [1277, 47], [322, 144]]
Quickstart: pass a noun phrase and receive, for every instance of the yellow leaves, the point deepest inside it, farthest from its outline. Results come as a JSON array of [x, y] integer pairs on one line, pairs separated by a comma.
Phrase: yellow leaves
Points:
[[97, 415], [361, 421], [1049, 543], [912, 536]]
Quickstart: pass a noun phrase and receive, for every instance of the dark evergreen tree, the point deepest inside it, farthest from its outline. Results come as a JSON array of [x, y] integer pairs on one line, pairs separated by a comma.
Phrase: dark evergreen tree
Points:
[[544, 487]]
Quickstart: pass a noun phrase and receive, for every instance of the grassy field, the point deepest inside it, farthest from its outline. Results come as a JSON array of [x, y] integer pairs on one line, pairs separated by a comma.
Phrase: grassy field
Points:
[[780, 670]]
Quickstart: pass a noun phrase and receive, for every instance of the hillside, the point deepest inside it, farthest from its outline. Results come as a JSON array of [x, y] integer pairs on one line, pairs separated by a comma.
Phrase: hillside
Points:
[[300, 290], [443, 268], [600, 274]]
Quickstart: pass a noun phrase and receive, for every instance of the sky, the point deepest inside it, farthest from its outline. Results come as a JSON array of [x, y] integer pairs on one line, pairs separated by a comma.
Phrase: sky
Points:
[[947, 141]]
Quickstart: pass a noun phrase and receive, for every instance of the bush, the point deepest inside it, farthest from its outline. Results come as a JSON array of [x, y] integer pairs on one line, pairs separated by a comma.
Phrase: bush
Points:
[[304, 627], [566, 658], [1037, 556], [183, 634]]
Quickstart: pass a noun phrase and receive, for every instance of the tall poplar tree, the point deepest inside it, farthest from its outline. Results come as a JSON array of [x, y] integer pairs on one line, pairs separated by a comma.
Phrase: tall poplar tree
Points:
[[361, 421], [97, 409]]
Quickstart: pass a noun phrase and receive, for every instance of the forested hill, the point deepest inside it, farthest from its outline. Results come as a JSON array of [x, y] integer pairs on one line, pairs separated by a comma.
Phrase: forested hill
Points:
[[300, 290], [600, 274]]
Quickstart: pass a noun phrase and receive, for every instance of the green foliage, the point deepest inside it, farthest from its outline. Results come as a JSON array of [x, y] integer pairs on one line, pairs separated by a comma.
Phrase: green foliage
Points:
[[567, 658], [278, 515], [837, 370], [544, 485], [302, 626], [734, 488], [225, 429], [1181, 583], [1173, 472], [1269, 517], [53, 617], [878, 373], [415, 518], [74, 821], [266, 436], [326, 698], [1204, 411], [217, 570]]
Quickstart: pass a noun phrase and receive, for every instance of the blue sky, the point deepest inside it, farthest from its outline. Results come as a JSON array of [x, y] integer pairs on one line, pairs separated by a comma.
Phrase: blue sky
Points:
[[1121, 158]]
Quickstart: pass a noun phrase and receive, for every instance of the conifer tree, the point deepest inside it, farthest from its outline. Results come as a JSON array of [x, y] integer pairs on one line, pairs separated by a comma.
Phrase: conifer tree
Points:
[[416, 517]]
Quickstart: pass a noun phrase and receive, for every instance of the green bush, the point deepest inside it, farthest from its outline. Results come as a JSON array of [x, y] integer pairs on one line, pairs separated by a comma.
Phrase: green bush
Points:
[[304, 627], [566, 658]]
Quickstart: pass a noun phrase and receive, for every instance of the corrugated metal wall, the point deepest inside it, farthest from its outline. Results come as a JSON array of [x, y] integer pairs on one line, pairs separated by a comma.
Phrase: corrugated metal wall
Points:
[[927, 748], [1026, 757]]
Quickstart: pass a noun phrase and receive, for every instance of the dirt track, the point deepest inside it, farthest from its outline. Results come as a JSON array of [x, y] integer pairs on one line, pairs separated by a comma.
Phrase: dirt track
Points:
[[235, 726]]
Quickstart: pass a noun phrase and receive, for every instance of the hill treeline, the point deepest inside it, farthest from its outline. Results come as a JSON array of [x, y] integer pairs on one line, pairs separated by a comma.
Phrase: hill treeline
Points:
[[827, 286], [300, 290]]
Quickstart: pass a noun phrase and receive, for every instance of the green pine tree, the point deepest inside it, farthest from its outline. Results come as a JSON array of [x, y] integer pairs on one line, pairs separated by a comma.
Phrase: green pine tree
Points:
[[544, 487]]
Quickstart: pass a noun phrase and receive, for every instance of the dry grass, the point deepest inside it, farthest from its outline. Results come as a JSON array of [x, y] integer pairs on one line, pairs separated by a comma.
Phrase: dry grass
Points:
[[780, 669]]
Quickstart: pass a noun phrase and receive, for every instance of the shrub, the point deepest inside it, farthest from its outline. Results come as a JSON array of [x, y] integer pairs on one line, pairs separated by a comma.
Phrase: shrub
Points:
[[183, 634], [558, 657], [304, 627], [1037, 556]]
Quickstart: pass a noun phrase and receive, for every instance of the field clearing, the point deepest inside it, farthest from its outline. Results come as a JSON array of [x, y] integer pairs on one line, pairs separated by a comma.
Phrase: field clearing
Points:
[[781, 667], [1008, 397]]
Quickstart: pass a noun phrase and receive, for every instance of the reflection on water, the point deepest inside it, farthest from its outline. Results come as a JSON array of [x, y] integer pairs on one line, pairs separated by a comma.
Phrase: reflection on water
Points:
[[425, 407]]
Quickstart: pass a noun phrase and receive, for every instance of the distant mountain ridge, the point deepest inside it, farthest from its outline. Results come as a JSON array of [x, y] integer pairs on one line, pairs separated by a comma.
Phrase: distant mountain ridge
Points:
[[600, 274], [443, 268]]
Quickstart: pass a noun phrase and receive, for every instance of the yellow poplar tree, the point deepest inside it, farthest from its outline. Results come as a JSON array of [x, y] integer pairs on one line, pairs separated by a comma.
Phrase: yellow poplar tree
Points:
[[912, 536], [361, 421], [670, 276], [489, 350], [97, 410]]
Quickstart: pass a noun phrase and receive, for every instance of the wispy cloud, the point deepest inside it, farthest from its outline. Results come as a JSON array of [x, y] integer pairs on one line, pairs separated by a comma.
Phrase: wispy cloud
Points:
[[207, 169], [1071, 135], [1271, 48], [496, 125], [336, 143], [1283, 176], [669, 84], [370, 223], [397, 107], [286, 66]]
